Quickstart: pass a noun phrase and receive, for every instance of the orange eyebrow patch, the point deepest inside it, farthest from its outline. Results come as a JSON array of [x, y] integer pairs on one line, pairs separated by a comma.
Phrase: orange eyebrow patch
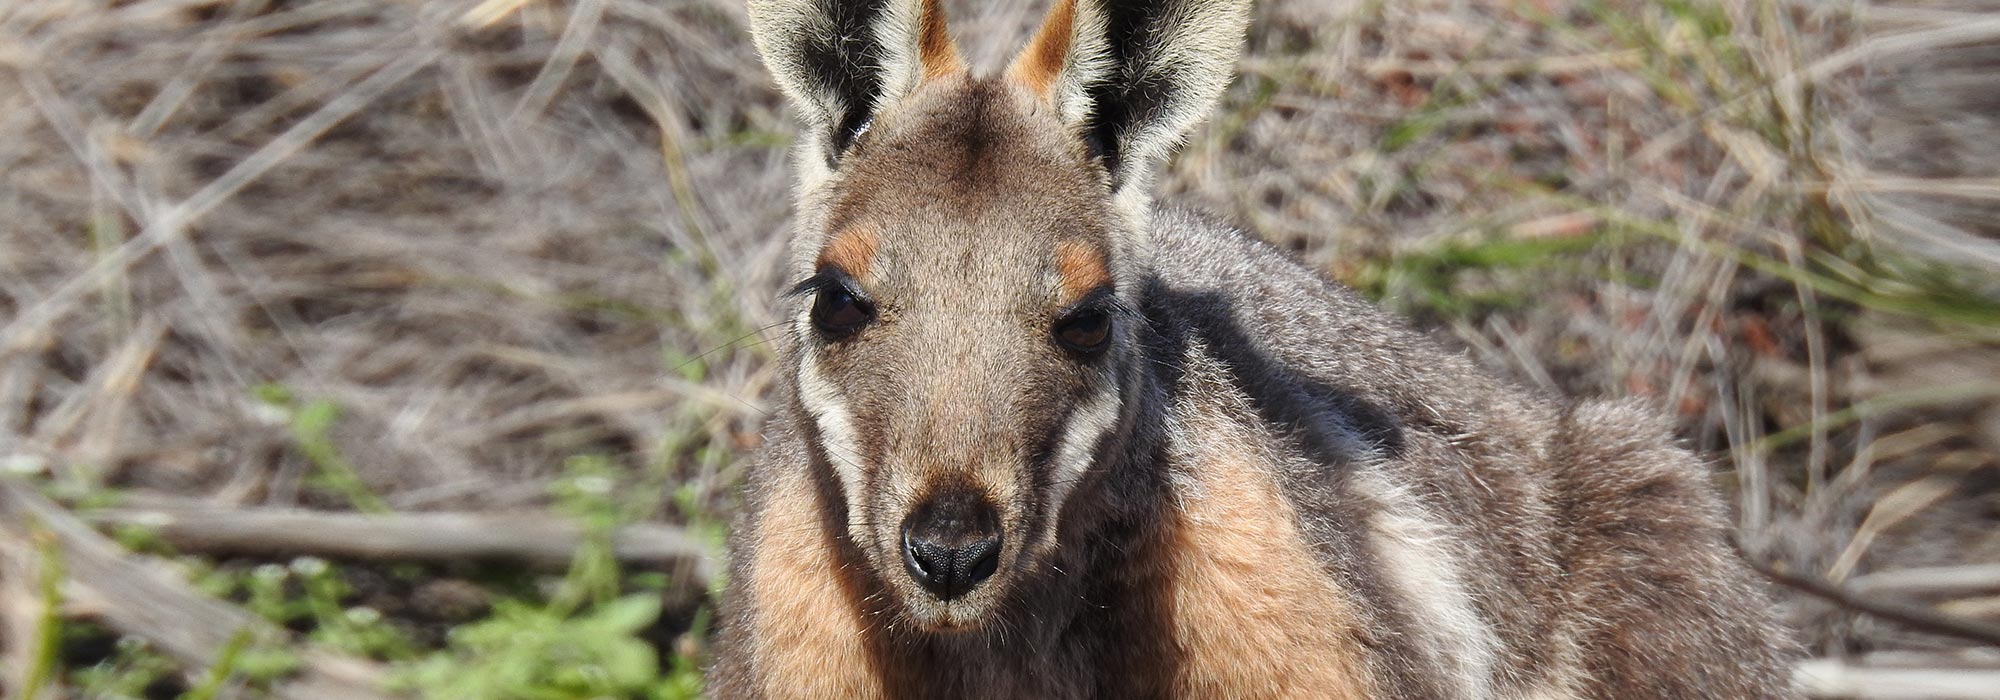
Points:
[[851, 250], [1080, 269]]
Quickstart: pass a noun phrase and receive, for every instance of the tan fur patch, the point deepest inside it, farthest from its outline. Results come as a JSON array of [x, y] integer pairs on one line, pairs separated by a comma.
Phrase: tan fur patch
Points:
[[1253, 613], [1080, 269], [1042, 61], [809, 639], [935, 48], [851, 250]]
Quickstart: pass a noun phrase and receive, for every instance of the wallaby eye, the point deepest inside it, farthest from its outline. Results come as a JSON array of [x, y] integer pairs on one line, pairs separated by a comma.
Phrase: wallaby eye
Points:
[[837, 313], [1084, 331]]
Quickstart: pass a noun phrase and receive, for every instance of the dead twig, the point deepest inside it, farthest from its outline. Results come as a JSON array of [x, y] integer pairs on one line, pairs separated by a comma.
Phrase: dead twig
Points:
[[1840, 678], [1931, 581], [148, 602], [530, 538], [1902, 612]]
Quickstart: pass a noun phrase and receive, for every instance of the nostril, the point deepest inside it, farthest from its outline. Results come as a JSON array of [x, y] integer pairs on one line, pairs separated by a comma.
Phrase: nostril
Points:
[[979, 560], [946, 557], [921, 559], [947, 571]]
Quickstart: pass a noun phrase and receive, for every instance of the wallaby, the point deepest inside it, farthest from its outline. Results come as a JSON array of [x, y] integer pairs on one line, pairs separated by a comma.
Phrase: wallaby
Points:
[[1039, 437]]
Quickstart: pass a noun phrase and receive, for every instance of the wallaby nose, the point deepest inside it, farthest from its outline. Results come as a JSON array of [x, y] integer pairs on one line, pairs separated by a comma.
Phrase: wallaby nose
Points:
[[951, 543]]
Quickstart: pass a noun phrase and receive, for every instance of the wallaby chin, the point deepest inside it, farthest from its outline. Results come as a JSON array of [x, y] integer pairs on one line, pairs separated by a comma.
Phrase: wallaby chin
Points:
[[972, 615], [1039, 438]]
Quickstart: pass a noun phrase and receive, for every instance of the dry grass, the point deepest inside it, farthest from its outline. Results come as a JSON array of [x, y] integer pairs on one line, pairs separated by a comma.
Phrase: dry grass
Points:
[[500, 234]]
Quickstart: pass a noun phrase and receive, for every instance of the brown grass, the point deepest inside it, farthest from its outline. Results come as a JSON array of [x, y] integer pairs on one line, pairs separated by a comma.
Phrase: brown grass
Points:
[[503, 233]]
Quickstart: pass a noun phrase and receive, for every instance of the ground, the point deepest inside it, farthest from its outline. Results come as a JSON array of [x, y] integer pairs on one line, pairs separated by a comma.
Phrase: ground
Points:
[[520, 257]]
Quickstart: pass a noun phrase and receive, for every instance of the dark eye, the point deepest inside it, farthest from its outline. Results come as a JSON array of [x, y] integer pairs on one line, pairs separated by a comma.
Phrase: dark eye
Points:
[[1084, 331], [838, 313]]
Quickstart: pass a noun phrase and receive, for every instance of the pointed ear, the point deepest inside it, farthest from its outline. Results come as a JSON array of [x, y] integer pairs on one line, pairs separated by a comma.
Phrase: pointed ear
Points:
[[841, 61], [1134, 75]]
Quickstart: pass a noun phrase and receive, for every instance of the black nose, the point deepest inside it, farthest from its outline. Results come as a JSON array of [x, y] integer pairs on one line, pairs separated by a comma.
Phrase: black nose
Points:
[[951, 543]]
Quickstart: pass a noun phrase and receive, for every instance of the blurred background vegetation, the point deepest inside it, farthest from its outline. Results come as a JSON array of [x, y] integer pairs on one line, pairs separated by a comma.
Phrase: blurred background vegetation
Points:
[[360, 347]]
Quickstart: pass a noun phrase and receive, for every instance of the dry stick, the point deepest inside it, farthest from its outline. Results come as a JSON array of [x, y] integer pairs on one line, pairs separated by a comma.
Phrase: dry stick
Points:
[[1839, 678], [150, 603], [530, 538], [1933, 581], [1876, 48], [570, 47], [20, 609], [1908, 614]]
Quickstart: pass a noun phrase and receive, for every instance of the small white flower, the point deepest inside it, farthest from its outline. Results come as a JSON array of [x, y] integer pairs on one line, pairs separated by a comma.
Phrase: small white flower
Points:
[[309, 566], [269, 415], [23, 464], [593, 485]]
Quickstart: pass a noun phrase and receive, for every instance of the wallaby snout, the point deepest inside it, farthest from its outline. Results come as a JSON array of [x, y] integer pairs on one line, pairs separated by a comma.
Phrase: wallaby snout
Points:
[[951, 542]]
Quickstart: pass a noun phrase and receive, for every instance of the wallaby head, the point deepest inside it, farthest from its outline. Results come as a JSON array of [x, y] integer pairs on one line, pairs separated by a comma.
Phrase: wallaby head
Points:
[[968, 250]]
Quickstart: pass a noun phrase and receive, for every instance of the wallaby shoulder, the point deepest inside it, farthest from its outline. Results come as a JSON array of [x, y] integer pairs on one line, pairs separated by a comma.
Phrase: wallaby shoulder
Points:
[[1409, 474], [1494, 525]]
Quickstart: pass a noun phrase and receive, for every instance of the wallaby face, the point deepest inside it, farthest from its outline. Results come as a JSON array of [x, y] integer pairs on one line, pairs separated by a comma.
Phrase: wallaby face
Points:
[[969, 246], [960, 339]]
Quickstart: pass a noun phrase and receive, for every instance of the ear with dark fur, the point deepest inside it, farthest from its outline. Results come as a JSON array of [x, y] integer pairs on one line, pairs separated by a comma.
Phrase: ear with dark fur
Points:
[[841, 61], [1134, 75]]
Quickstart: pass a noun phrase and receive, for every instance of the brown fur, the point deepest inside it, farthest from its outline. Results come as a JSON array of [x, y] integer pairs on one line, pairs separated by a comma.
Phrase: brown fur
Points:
[[803, 602], [935, 48], [1648, 555], [852, 250], [1042, 62], [1252, 612], [1080, 269]]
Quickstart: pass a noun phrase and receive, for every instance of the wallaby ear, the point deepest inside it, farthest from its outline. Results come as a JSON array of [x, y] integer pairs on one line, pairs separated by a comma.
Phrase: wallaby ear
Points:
[[1134, 75], [840, 61]]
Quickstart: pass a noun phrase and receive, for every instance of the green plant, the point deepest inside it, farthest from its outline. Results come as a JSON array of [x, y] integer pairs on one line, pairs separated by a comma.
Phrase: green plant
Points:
[[311, 423], [586, 640], [132, 668], [48, 626], [310, 593], [537, 652]]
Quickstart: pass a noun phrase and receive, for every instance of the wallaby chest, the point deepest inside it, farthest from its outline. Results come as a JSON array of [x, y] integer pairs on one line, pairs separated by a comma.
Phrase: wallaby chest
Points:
[[1218, 596]]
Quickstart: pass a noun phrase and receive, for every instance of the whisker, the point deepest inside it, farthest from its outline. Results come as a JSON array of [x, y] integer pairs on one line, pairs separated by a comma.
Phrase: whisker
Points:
[[731, 344]]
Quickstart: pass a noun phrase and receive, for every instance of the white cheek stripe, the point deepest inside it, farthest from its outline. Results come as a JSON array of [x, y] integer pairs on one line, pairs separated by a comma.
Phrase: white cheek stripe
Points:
[[836, 431], [1077, 450]]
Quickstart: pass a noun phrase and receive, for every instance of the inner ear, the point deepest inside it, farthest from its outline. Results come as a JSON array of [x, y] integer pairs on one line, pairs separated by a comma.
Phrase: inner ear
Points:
[[842, 61], [936, 57], [1102, 139], [845, 133], [1135, 75]]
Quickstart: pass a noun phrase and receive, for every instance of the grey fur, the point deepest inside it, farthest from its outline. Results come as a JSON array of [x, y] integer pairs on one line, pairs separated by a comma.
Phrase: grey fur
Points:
[[1483, 541]]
